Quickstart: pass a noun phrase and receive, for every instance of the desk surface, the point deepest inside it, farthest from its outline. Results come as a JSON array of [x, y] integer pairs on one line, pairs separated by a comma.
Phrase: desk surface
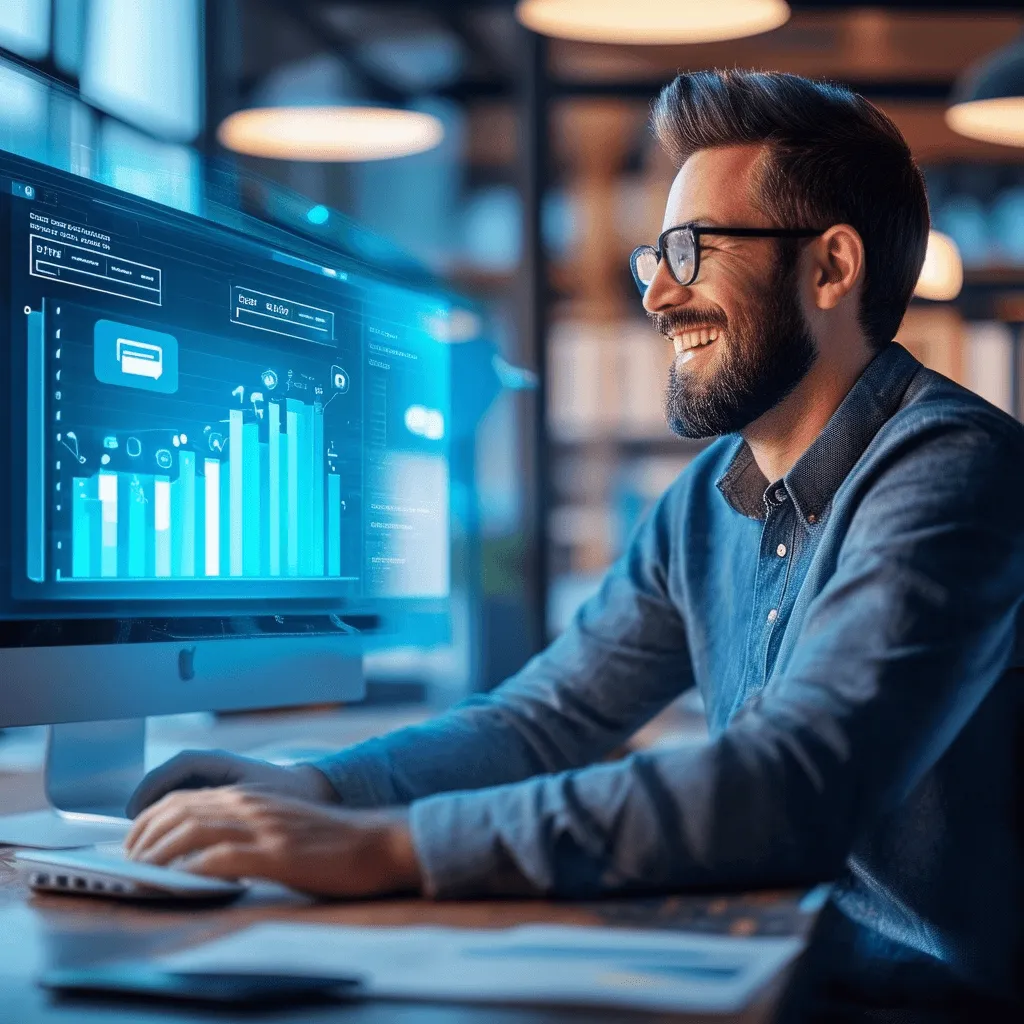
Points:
[[40, 932]]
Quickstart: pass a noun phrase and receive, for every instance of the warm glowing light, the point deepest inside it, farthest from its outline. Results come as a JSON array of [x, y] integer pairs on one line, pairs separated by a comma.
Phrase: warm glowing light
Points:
[[942, 275], [998, 120], [329, 133], [652, 21]]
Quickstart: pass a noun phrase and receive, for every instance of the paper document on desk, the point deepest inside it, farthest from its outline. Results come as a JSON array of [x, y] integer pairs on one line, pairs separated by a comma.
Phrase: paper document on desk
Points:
[[655, 970]]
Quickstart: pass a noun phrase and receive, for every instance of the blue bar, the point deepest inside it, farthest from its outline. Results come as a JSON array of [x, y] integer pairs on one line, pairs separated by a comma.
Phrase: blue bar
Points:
[[198, 526], [333, 525], [184, 524], [274, 506], [250, 499], [176, 524], [319, 468], [306, 473], [226, 517], [136, 526], [124, 502], [35, 482], [285, 484], [211, 471], [81, 528], [149, 508], [95, 510], [293, 437], [236, 462], [162, 526], [265, 533], [108, 528]]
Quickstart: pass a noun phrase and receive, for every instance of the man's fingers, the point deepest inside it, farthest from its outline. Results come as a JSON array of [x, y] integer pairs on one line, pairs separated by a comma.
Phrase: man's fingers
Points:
[[226, 804], [228, 860], [184, 838], [191, 837], [153, 823], [168, 812]]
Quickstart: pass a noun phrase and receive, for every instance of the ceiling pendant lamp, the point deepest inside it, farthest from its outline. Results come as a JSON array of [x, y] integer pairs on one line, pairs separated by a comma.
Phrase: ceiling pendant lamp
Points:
[[329, 133], [651, 22], [989, 102], [942, 275]]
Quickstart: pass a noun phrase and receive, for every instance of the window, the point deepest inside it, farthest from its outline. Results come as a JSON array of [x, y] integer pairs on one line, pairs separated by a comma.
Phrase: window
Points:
[[122, 100], [25, 27]]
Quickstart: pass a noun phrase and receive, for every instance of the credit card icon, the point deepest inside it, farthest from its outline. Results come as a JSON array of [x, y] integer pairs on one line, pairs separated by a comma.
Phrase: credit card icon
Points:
[[140, 358]]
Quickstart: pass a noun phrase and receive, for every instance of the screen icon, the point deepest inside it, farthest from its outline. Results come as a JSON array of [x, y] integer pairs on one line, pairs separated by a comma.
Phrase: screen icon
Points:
[[339, 379], [135, 357]]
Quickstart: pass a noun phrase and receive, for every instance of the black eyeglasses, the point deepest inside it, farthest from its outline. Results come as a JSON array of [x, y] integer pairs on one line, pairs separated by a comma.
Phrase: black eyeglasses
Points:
[[681, 247]]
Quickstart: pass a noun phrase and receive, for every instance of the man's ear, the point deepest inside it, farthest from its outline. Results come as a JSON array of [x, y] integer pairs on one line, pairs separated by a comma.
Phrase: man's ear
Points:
[[838, 265]]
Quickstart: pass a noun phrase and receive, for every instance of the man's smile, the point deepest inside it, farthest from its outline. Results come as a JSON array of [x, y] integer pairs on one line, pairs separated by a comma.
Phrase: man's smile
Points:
[[685, 342]]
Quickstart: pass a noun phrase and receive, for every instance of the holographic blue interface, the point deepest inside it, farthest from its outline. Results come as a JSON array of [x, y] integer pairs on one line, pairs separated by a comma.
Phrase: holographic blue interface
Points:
[[200, 422]]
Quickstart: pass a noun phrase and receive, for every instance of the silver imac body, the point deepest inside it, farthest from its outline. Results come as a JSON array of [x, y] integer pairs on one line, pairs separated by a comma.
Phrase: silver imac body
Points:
[[226, 466]]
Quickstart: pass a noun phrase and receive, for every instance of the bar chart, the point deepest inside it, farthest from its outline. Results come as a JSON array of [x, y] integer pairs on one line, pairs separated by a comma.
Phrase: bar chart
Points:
[[265, 505]]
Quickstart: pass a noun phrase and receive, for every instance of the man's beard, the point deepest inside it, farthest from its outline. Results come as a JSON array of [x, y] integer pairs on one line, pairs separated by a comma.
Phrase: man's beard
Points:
[[765, 354]]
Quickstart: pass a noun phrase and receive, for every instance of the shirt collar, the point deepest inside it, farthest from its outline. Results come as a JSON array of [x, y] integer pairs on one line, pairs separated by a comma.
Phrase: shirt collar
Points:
[[822, 468]]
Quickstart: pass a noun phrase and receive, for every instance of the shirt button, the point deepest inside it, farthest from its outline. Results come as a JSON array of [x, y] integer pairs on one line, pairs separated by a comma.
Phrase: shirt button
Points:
[[812, 518], [781, 551], [773, 615], [781, 495]]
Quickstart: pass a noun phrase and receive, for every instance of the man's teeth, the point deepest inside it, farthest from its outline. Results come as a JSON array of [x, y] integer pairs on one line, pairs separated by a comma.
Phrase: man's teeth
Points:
[[694, 339]]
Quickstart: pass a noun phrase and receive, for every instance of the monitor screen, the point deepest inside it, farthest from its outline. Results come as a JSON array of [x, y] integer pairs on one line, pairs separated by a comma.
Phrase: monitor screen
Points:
[[204, 426]]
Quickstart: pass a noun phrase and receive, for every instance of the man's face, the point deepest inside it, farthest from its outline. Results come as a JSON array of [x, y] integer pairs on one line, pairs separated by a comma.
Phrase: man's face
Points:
[[746, 293]]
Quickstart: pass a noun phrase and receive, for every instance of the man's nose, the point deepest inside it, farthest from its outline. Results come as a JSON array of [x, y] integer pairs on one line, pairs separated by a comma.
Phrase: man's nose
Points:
[[664, 291]]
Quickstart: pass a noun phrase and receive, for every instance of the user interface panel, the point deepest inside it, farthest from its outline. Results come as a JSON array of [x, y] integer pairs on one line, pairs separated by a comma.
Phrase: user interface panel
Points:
[[200, 421]]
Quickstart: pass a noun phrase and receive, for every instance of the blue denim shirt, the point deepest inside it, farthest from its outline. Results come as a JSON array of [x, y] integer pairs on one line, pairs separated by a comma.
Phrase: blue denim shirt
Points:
[[855, 631]]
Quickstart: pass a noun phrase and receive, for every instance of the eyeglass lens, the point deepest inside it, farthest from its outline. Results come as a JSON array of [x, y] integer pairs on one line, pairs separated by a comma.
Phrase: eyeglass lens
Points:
[[678, 249]]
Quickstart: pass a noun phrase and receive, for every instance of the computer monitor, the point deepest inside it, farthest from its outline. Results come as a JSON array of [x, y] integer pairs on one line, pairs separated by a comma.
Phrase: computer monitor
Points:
[[225, 461]]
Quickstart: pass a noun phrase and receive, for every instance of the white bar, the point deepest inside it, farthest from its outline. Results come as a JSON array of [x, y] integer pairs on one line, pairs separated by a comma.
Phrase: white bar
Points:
[[162, 524], [212, 471], [108, 518]]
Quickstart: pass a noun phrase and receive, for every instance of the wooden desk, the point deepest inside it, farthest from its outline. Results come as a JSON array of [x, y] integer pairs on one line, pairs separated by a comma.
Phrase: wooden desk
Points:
[[38, 932]]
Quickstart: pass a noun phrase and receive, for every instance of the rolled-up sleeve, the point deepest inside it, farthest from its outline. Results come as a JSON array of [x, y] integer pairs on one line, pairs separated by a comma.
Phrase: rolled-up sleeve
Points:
[[621, 661], [895, 653]]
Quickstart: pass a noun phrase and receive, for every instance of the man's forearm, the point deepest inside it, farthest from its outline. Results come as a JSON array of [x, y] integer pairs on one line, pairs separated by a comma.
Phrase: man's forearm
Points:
[[721, 815], [475, 746], [624, 658]]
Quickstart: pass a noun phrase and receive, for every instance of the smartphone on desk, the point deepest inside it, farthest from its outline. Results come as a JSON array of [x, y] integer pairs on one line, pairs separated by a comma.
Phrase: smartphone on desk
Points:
[[142, 981], [106, 873]]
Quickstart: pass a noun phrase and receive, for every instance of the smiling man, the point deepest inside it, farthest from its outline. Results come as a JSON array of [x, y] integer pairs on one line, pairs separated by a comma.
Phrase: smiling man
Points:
[[840, 576]]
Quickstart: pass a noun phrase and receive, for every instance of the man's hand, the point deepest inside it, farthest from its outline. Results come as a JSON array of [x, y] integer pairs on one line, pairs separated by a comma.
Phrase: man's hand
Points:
[[204, 769], [234, 832]]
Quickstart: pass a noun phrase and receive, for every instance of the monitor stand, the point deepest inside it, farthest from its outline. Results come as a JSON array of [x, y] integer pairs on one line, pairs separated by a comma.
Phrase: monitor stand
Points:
[[91, 770]]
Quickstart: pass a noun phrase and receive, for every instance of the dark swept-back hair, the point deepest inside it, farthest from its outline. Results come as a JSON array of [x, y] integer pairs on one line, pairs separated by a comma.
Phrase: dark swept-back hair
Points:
[[831, 157]]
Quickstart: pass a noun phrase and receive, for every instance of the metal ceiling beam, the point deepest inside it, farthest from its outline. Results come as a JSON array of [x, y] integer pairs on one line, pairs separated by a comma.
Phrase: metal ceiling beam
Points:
[[310, 17], [457, 22]]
